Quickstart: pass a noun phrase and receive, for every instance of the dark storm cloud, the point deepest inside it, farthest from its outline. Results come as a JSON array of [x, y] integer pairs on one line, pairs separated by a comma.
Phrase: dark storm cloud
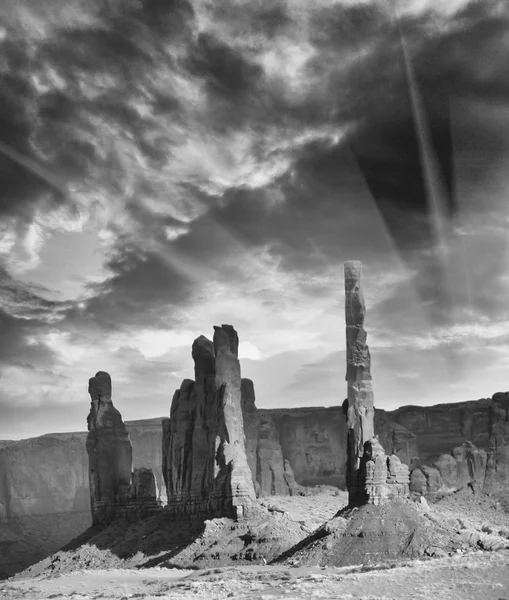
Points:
[[23, 316], [326, 208], [142, 369], [18, 101], [54, 91], [373, 93], [141, 290]]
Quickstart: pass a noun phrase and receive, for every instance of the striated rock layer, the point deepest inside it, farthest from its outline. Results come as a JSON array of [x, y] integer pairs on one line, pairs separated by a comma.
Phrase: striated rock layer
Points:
[[371, 476], [271, 471], [205, 467]]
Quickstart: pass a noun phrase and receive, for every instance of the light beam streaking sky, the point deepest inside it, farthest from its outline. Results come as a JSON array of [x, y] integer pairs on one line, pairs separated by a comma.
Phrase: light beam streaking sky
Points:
[[170, 166]]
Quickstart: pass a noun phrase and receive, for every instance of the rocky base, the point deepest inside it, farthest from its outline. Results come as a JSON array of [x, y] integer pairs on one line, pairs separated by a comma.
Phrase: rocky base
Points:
[[312, 530], [391, 532]]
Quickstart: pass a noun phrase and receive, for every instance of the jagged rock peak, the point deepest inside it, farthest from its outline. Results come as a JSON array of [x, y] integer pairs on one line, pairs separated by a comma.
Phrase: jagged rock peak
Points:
[[204, 457], [226, 340]]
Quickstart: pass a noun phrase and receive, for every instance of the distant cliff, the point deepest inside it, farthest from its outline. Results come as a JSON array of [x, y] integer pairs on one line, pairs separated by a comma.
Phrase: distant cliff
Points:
[[440, 428], [44, 491]]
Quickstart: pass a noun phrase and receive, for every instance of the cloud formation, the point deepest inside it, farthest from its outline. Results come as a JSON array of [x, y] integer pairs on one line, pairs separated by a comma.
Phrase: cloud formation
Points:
[[208, 163]]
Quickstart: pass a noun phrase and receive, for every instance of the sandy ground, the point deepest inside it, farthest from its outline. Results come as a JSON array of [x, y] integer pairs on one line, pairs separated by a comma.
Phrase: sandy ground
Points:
[[476, 576]]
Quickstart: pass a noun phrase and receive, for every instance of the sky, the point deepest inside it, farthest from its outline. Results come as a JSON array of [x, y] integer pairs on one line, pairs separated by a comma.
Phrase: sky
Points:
[[171, 165]]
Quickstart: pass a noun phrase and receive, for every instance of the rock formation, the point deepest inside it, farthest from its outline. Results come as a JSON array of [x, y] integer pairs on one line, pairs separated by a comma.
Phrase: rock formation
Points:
[[464, 466], [115, 491], [204, 458], [272, 473], [444, 426], [371, 476], [109, 451], [467, 465], [497, 467]]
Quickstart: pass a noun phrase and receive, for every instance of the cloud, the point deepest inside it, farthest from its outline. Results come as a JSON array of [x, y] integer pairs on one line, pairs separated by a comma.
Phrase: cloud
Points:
[[219, 163]]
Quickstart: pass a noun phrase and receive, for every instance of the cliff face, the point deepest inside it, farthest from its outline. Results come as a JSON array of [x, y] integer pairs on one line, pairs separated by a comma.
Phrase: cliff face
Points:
[[497, 467], [44, 475], [271, 473], [44, 498], [439, 429], [314, 442], [146, 440]]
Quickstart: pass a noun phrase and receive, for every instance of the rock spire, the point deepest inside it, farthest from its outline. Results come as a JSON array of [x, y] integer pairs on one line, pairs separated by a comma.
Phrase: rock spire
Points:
[[371, 476]]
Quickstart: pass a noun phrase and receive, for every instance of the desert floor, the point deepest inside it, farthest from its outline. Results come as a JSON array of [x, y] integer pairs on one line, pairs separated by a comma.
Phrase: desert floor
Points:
[[475, 576]]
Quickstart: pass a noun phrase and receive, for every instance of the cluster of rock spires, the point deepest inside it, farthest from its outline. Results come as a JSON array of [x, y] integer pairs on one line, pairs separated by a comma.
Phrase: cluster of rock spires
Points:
[[371, 476], [205, 466], [219, 452]]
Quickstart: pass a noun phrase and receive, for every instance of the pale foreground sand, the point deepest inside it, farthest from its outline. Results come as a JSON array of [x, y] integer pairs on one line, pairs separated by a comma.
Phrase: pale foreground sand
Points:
[[476, 576]]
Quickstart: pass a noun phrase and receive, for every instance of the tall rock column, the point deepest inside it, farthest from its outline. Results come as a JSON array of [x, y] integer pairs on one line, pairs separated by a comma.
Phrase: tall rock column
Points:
[[359, 405], [233, 479], [204, 456], [109, 452], [371, 476]]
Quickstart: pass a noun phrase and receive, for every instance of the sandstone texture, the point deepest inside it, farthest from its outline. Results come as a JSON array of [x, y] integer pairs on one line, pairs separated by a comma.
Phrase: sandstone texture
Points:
[[205, 466], [359, 406], [109, 452], [272, 473], [497, 465], [372, 477], [313, 440], [146, 440], [44, 498], [467, 465], [440, 428]]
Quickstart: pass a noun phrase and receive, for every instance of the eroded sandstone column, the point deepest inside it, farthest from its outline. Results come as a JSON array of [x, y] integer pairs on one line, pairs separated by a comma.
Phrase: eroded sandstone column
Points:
[[271, 473], [371, 476], [204, 457], [109, 451], [359, 406], [233, 479]]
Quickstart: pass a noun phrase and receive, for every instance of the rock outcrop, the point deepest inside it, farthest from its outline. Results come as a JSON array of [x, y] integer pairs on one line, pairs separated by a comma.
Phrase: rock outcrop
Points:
[[115, 490], [467, 465], [464, 466], [359, 406], [497, 467], [272, 473], [372, 477], [205, 466], [442, 427], [109, 452]]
